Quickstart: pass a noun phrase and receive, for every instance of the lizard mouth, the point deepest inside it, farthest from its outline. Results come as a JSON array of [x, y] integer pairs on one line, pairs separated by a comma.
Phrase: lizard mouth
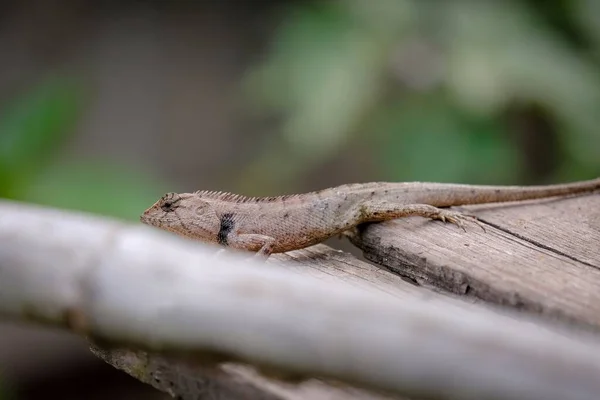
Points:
[[148, 220], [160, 222], [144, 219]]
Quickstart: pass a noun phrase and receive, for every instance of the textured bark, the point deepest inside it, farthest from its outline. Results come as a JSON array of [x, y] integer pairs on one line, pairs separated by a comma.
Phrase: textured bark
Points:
[[134, 286]]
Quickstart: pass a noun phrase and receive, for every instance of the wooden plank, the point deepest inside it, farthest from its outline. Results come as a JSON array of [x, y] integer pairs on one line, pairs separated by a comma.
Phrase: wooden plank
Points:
[[228, 382], [234, 381], [537, 256], [327, 264], [238, 381], [569, 227], [134, 285]]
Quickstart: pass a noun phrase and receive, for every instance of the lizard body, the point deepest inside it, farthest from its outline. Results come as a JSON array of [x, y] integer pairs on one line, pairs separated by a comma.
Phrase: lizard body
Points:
[[278, 224]]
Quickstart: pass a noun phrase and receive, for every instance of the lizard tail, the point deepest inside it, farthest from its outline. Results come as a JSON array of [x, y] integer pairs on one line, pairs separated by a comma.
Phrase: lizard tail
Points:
[[445, 195]]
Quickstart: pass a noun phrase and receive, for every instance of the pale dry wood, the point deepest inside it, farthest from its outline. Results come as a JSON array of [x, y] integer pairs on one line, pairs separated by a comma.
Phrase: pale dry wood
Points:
[[223, 381], [539, 256], [231, 381], [178, 379], [329, 265], [151, 290], [227, 381], [570, 227]]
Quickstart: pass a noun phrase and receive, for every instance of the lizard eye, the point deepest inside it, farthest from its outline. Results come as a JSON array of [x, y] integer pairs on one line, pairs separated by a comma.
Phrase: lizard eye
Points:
[[170, 202]]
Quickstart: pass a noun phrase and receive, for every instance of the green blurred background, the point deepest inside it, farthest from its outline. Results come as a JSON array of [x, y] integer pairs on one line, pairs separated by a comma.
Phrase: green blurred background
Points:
[[104, 106]]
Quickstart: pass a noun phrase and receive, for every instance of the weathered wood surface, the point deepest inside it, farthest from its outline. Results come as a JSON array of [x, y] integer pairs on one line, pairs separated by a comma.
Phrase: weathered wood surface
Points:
[[327, 264], [538, 256], [231, 381], [178, 297], [237, 381]]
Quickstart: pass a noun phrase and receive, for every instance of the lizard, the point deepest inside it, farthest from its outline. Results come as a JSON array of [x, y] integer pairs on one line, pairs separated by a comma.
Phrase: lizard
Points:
[[268, 225]]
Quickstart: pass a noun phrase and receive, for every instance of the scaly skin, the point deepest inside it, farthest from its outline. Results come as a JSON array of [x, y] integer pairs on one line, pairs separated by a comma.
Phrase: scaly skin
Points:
[[267, 225]]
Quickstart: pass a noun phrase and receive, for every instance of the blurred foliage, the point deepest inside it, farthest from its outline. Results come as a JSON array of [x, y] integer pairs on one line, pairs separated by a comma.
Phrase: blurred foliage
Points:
[[34, 128], [424, 89], [429, 88]]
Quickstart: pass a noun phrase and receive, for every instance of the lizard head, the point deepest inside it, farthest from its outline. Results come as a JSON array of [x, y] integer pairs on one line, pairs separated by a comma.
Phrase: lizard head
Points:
[[184, 214]]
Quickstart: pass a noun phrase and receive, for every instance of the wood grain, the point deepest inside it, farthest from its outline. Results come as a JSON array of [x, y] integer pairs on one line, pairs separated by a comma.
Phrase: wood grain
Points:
[[331, 265], [233, 381], [229, 381], [143, 288], [537, 256]]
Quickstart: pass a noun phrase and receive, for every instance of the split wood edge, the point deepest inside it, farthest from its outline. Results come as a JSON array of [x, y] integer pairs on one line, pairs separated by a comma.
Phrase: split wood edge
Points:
[[132, 285]]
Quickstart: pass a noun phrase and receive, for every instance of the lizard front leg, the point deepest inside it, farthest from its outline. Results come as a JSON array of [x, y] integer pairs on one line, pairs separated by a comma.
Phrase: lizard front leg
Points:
[[382, 211], [251, 242]]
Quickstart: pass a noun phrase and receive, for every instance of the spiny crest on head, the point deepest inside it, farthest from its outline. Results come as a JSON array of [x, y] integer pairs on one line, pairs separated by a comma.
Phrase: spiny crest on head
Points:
[[238, 198]]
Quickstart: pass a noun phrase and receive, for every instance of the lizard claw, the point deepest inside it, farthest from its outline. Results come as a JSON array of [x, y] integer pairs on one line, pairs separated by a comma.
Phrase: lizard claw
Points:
[[459, 219], [476, 221]]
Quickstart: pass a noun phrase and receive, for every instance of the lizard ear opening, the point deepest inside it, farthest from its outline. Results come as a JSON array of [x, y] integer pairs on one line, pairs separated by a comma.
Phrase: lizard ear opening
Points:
[[202, 208], [169, 202]]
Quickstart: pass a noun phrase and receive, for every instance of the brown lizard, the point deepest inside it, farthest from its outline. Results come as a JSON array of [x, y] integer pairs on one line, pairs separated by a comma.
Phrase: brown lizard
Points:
[[278, 224]]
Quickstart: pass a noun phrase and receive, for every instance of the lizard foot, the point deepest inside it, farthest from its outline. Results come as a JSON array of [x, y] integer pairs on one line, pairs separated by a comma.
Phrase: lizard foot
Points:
[[265, 252], [457, 218]]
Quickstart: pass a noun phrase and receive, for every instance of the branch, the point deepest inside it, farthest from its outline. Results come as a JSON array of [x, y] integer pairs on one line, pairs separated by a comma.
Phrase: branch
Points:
[[137, 286], [223, 382]]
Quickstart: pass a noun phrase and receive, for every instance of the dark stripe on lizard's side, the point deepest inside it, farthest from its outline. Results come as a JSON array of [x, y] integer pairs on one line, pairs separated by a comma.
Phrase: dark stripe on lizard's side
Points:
[[227, 225]]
